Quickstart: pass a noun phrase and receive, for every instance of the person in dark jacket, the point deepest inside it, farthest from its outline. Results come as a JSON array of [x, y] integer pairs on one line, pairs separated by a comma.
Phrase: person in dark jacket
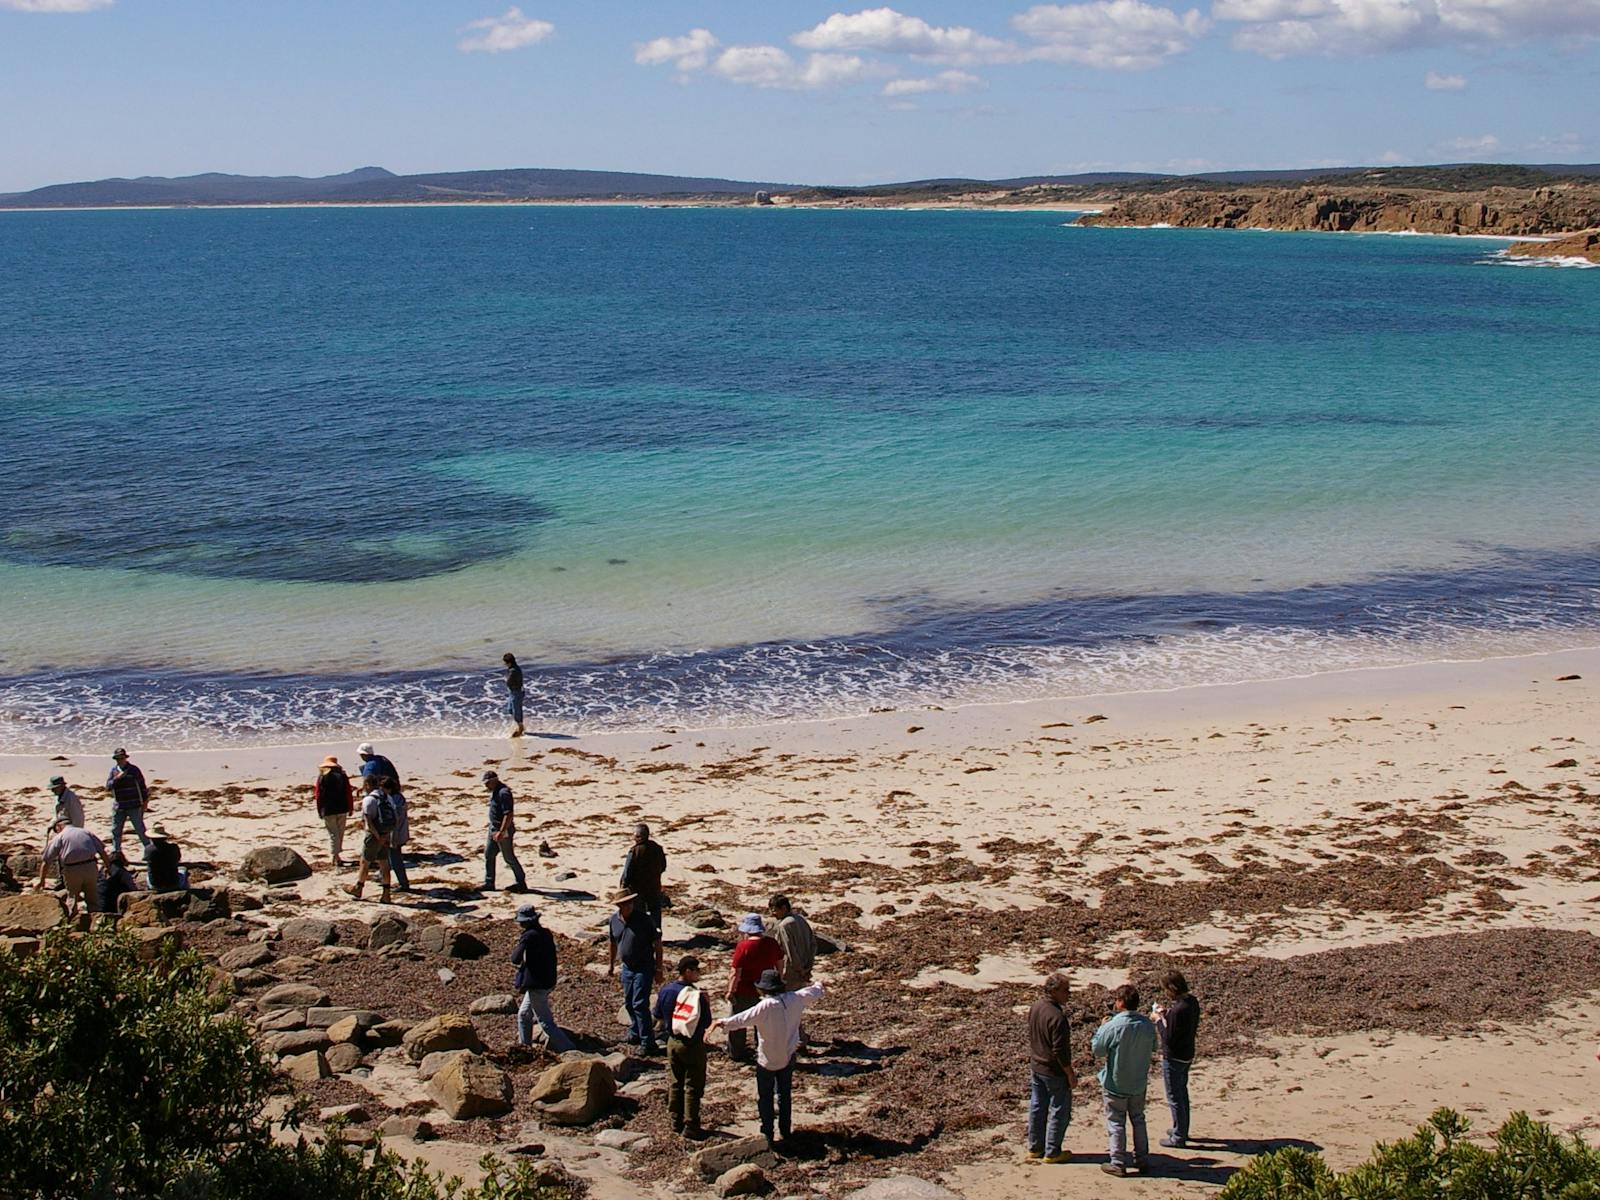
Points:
[[117, 881], [335, 800], [686, 1050], [130, 799], [514, 685], [1177, 1023], [535, 960], [642, 871], [1050, 1057]]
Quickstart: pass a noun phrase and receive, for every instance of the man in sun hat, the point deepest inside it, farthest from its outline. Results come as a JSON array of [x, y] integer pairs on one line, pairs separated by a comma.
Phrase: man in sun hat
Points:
[[335, 801], [502, 834], [776, 1020], [130, 799], [67, 803], [535, 960], [635, 940], [755, 954]]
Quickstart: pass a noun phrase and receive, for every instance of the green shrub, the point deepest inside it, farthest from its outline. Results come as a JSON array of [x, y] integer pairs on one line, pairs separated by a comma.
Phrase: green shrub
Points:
[[126, 1079], [1527, 1161]]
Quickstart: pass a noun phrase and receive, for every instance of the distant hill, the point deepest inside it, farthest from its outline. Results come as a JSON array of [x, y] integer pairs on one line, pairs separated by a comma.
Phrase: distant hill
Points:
[[374, 185]]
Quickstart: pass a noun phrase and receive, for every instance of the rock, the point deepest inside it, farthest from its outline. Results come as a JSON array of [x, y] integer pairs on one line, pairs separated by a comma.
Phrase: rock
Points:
[[308, 929], [294, 964], [446, 975], [640, 1089], [29, 914], [452, 943], [283, 1021], [623, 1067], [388, 1033], [526, 1149], [705, 918], [716, 1161], [25, 865], [296, 1042], [208, 904], [827, 945], [621, 1139], [575, 1092], [323, 1017], [903, 1187], [438, 1061], [346, 1030], [22, 947], [292, 995], [245, 956], [244, 900], [493, 1004], [355, 1114], [274, 864], [388, 930], [343, 1057], [447, 1031], [304, 1068], [746, 1179], [471, 1087], [154, 942], [148, 909], [252, 978], [415, 1128]]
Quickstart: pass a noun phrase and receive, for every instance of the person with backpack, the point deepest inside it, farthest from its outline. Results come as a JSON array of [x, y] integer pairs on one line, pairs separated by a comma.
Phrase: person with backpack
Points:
[[514, 686], [377, 812], [335, 801], [683, 1014], [401, 834], [777, 1023], [535, 960]]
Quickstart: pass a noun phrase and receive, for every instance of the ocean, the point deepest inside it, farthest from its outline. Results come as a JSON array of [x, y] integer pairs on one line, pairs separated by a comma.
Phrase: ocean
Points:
[[276, 474]]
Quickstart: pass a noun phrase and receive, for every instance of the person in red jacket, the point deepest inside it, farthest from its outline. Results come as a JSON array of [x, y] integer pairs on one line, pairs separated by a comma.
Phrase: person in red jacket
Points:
[[335, 801], [755, 954]]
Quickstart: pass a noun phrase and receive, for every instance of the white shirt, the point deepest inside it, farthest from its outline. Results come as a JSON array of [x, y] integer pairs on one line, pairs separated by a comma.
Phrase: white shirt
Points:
[[777, 1022]]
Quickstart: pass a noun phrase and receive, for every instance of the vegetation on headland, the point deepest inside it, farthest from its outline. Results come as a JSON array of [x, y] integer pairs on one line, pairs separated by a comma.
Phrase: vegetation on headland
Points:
[[1526, 1161], [124, 1077]]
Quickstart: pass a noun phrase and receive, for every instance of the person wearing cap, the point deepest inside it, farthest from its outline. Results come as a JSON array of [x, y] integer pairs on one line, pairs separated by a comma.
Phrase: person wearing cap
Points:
[[130, 799], [68, 806], [502, 834], [642, 870], [514, 686], [535, 960], [335, 801], [74, 851], [374, 764], [686, 1052], [636, 941], [754, 954], [776, 1020]]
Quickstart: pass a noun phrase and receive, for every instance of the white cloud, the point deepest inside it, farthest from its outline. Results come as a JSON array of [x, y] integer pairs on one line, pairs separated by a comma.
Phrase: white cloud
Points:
[[692, 52], [773, 67], [510, 31], [885, 31], [1391, 158], [1485, 144], [1281, 28], [1436, 82], [1560, 144], [944, 81], [55, 6], [1127, 35]]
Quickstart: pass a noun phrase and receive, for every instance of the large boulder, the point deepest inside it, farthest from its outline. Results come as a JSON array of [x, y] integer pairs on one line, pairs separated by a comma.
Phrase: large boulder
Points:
[[274, 864], [208, 904], [343, 1057], [305, 1068], [308, 929], [156, 942], [746, 1179], [296, 1041], [388, 930], [145, 910], [447, 1031], [292, 995], [283, 1020], [471, 1087], [452, 943], [575, 1092], [240, 957], [28, 914], [438, 1061], [491, 1005], [326, 1017]]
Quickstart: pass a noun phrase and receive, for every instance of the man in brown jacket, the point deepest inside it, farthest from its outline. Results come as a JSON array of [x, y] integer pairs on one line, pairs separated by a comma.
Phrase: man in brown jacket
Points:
[[1050, 1057]]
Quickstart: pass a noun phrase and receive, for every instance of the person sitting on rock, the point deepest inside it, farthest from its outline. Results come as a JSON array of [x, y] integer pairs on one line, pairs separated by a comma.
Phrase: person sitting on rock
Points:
[[117, 882], [535, 960]]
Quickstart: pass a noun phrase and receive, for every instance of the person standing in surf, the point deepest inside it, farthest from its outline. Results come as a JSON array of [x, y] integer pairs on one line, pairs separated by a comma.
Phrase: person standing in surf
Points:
[[514, 685]]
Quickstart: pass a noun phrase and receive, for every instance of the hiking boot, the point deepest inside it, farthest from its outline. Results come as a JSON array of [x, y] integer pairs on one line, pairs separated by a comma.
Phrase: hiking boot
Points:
[[519, 889], [1116, 1169], [384, 899], [353, 889], [1060, 1156], [1035, 1153]]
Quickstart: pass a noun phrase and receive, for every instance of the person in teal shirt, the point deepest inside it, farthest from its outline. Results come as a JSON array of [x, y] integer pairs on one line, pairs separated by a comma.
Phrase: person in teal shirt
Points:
[[1125, 1043]]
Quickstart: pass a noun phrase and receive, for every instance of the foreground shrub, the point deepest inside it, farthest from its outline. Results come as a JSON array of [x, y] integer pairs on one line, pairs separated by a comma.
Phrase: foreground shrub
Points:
[[1527, 1161], [121, 1078]]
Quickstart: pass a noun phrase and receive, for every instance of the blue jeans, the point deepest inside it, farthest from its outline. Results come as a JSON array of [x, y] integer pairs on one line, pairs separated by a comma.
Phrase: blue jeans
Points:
[[1175, 1076], [636, 998], [397, 865], [774, 1090], [536, 1003], [1122, 1111], [121, 817], [1049, 1112], [490, 850]]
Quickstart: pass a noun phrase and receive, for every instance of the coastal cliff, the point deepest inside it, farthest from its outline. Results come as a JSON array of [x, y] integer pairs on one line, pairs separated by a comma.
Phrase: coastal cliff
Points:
[[1512, 212], [1579, 245]]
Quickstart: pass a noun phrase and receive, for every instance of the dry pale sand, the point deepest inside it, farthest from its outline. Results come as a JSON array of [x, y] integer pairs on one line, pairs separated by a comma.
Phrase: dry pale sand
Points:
[[1222, 826]]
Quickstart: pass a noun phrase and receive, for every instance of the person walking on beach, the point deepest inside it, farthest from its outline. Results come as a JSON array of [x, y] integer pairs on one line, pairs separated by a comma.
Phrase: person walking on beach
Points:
[[374, 764], [636, 941], [514, 686], [776, 1020], [335, 799], [68, 806], [683, 1014], [642, 870], [535, 960], [74, 851], [1050, 1057], [401, 834], [502, 835], [1125, 1043], [377, 814], [753, 956], [1177, 1023], [130, 799]]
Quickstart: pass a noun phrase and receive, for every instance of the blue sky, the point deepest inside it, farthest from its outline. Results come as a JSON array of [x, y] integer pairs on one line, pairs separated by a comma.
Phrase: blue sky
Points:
[[788, 90]]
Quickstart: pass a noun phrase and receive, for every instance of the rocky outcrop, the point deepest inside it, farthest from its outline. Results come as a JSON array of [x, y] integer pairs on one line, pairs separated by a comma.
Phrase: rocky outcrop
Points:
[[1509, 211], [28, 914], [471, 1087], [574, 1093], [448, 1031], [1585, 246], [274, 864]]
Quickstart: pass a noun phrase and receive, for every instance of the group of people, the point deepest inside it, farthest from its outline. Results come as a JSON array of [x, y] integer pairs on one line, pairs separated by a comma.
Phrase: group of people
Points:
[[93, 877], [1125, 1045]]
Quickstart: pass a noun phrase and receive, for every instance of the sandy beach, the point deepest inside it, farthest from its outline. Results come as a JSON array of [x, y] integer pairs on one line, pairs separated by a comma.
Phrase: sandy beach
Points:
[[1380, 883]]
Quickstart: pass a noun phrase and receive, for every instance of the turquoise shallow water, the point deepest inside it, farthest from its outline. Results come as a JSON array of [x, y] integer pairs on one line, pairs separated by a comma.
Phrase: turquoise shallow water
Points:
[[275, 472]]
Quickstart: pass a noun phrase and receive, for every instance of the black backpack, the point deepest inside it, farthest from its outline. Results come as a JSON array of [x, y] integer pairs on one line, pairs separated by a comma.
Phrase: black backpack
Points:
[[384, 816]]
